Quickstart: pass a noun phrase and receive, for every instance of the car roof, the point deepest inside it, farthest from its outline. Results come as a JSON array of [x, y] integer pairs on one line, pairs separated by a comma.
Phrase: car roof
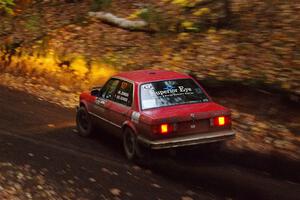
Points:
[[151, 75]]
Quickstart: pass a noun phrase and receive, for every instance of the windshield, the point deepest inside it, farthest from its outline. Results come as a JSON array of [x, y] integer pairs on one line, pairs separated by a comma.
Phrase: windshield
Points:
[[171, 92]]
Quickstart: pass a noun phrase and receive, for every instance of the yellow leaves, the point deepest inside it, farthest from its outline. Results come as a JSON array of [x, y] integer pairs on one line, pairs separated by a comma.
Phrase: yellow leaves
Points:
[[212, 30], [135, 14], [165, 56], [187, 24], [48, 63], [183, 36], [68, 72], [202, 11], [79, 66], [181, 2], [177, 57], [185, 3], [100, 70]]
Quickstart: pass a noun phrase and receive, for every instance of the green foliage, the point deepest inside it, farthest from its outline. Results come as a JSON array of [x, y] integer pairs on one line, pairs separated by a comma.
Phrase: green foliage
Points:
[[33, 23], [6, 6], [100, 4], [80, 20], [153, 18]]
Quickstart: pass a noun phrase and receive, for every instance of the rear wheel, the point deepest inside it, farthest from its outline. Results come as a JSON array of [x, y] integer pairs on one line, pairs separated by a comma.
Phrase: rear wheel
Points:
[[133, 150], [84, 123]]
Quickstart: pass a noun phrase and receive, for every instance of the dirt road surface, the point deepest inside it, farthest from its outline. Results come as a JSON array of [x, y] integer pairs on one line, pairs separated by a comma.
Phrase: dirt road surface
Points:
[[42, 157]]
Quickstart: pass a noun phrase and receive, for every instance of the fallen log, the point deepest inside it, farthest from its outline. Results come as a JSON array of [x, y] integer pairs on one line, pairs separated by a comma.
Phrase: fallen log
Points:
[[136, 25]]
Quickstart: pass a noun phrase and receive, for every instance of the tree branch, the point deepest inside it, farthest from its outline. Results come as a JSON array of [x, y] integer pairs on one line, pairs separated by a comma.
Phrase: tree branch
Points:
[[138, 25]]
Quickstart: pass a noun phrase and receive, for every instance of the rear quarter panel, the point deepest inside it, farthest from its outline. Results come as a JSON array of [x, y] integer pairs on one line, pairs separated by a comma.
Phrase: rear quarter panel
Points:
[[87, 100]]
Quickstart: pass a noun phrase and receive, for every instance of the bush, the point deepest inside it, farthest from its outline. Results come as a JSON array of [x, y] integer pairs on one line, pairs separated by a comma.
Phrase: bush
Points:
[[154, 18], [6, 6]]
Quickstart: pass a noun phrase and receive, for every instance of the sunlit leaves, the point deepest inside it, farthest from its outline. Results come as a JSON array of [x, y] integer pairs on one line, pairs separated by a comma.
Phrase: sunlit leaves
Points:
[[135, 14], [183, 36], [202, 11], [68, 77], [186, 3], [181, 2], [187, 24], [79, 66]]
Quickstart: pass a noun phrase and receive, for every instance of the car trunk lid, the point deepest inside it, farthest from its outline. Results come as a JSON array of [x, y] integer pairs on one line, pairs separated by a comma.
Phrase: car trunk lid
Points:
[[188, 119]]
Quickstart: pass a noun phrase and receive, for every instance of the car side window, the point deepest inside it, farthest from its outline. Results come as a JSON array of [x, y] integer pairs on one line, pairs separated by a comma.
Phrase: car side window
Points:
[[109, 89], [124, 93]]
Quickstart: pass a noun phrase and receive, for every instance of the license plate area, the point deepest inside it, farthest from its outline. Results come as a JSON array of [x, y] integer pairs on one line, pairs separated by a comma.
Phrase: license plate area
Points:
[[198, 126]]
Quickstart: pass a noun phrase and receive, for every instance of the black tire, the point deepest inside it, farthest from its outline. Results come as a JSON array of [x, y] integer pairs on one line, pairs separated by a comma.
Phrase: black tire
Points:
[[84, 123], [133, 150]]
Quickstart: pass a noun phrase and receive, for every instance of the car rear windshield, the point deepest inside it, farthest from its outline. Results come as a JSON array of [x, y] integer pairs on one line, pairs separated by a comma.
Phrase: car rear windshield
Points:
[[171, 92]]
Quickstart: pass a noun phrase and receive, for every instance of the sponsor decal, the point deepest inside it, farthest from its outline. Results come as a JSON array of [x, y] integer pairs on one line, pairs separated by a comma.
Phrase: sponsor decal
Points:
[[122, 96], [99, 101], [124, 85], [172, 91], [148, 86], [169, 87]]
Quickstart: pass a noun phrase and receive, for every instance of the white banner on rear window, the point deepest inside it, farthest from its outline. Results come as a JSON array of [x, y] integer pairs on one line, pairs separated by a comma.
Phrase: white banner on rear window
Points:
[[149, 103]]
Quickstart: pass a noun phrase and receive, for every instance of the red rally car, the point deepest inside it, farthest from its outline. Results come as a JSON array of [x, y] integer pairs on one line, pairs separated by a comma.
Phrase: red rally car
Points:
[[155, 109]]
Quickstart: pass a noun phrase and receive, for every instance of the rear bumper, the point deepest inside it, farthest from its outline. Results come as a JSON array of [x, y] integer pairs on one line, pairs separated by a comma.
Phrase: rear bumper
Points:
[[187, 140]]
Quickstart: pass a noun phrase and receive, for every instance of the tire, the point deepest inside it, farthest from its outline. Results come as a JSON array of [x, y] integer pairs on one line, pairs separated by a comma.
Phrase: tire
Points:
[[133, 150], [83, 122]]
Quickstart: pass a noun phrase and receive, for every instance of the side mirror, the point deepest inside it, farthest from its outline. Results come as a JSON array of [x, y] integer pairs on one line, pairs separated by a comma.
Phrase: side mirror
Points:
[[96, 91]]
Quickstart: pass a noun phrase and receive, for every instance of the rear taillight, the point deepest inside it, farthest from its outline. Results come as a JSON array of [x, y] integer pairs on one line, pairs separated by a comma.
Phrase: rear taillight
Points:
[[163, 129], [221, 121]]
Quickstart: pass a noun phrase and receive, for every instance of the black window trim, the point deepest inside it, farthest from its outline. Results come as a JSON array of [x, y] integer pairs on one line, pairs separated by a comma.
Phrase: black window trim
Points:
[[126, 80], [105, 86]]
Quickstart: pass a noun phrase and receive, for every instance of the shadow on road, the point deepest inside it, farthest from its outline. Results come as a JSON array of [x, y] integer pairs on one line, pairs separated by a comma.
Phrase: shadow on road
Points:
[[242, 176]]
